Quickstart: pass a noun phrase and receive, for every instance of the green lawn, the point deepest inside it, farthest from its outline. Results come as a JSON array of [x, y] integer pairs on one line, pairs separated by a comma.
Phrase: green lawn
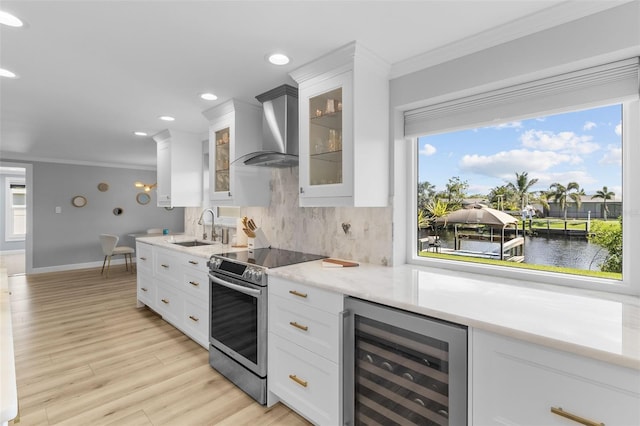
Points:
[[573, 271]]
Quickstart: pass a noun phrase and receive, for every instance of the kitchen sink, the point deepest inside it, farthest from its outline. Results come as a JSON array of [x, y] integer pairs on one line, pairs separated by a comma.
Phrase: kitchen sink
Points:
[[194, 243]]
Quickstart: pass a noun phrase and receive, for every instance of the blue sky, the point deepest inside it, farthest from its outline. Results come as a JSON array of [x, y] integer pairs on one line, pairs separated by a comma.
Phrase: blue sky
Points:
[[583, 147]]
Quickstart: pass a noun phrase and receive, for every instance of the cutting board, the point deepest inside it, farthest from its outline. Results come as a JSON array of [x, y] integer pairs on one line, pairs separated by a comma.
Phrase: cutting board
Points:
[[337, 263]]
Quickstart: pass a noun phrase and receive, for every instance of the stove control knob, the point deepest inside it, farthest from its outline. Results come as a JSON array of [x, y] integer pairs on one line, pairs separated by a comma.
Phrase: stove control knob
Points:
[[257, 276], [248, 273]]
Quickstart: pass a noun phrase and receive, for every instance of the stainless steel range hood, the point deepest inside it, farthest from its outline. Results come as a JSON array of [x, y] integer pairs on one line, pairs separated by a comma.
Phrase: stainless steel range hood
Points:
[[279, 129]]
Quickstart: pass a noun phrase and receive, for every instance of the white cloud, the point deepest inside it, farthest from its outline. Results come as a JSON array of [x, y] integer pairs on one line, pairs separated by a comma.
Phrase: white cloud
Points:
[[589, 125], [579, 176], [428, 150], [505, 164], [509, 125], [564, 142], [618, 129], [613, 155]]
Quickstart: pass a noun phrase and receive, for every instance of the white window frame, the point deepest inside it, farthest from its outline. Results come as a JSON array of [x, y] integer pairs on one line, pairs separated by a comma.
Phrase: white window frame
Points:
[[630, 216], [10, 209]]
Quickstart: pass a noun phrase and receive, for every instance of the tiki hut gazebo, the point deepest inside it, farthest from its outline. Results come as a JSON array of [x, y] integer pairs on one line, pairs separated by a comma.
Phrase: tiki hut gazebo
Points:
[[479, 214]]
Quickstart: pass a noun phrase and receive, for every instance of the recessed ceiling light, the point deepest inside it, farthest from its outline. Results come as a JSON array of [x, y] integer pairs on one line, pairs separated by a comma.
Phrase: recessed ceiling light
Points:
[[278, 59], [10, 20], [166, 118], [7, 73], [140, 133], [208, 96]]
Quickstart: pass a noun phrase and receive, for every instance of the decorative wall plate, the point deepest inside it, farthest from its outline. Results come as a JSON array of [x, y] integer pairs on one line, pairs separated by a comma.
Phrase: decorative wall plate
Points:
[[143, 198], [103, 187], [79, 201]]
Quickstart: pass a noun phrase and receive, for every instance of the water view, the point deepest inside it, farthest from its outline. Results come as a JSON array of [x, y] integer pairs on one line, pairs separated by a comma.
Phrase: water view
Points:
[[570, 252]]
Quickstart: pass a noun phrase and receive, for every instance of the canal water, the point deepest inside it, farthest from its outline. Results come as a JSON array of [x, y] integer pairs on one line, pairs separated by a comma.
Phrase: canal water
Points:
[[569, 252]]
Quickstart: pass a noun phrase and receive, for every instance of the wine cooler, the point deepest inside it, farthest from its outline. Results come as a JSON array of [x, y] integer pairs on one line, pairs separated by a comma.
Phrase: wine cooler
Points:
[[402, 368]]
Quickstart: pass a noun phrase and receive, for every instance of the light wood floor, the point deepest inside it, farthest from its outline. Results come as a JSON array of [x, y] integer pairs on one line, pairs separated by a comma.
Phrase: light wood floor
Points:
[[85, 355]]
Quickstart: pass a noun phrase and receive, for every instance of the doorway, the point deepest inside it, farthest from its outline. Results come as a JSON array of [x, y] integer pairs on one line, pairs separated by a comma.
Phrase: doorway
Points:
[[16, 217]]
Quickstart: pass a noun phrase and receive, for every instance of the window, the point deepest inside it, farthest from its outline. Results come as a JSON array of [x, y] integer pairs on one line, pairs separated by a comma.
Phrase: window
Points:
[[16, 210], [552, 168], [543, 193]]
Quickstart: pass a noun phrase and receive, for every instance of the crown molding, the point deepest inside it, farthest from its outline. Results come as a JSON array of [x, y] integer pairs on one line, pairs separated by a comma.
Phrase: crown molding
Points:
[[14, 156], [545, 19]]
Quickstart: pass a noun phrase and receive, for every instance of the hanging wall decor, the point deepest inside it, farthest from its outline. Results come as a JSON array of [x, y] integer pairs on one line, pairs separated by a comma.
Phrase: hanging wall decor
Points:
[[79, 201]]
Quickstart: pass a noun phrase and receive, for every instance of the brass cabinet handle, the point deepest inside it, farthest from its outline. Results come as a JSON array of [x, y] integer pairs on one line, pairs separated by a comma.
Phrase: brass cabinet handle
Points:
[[296, 293], [143, 258], [165, 301], [143, 289], [298, 380], [559, 411], [164, 266], [296, 325], [194, 319], [194, 283], [193, 262]]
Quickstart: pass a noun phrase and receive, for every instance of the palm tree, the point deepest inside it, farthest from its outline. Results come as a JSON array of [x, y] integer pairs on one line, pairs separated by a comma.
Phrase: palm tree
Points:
[[561, 195], [605, 194], [522, 186]]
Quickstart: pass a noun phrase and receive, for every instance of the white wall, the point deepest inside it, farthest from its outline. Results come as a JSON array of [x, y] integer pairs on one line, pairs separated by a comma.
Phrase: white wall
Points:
[[604, 37]]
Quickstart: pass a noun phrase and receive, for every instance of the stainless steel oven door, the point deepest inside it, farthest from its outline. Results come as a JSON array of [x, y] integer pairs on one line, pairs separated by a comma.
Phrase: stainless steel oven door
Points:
[[238, 321]]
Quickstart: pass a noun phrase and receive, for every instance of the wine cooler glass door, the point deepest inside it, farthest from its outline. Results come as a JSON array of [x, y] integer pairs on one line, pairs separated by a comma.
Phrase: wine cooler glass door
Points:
[[407, 369]]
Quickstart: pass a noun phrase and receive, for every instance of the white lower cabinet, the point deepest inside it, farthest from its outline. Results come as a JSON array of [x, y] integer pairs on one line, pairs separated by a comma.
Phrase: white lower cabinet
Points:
[[304, 355], [175, 285], [305, 381], [520, 383]]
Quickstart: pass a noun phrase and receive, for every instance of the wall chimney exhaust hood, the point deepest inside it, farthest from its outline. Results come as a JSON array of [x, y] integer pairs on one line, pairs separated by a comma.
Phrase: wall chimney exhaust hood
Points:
[[279, 130]]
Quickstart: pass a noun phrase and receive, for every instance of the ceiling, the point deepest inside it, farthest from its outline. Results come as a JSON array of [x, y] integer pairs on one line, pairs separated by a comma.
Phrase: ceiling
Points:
[[93, 72]]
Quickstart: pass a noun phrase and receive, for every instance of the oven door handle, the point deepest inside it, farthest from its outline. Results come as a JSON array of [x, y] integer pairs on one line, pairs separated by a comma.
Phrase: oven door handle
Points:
[[242, 289]]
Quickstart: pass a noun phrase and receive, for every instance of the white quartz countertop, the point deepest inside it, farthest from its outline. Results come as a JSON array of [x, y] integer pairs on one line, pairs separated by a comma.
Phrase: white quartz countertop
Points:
[[205, 251], [598, 325]]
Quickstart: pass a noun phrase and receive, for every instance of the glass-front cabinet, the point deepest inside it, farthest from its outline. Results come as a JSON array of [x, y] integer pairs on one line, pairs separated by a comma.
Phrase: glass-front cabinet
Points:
[[222, 154], [323, 161], [235, 129], [344, 133]]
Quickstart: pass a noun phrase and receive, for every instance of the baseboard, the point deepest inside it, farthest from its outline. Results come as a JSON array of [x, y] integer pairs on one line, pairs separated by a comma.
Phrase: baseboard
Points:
[[74, 266], [7, 252]]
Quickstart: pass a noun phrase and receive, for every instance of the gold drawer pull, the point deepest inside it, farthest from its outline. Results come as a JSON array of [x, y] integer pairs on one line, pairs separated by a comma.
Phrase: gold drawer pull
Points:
[[165, 301], [559, 411], [194, 283], [193, 262], [296, 293], [194, 319], [164, 266], [143, 258], [143, 289], [296, 325], [299, 381]]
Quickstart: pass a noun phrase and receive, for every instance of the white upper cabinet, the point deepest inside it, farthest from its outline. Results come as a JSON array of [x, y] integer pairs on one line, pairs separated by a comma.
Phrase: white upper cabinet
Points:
[[344, 129], [235, 129], [179, 169]]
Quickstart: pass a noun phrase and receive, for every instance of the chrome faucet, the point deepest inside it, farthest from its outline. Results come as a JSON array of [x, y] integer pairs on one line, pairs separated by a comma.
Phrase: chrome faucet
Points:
[[213, 225]]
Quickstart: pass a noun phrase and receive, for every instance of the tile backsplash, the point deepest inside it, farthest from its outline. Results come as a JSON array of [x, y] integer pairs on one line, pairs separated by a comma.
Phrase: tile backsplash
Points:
[[319, 230]]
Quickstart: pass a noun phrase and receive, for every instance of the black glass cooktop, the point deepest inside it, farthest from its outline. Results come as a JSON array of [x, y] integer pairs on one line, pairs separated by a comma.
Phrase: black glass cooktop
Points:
[[269, 257]]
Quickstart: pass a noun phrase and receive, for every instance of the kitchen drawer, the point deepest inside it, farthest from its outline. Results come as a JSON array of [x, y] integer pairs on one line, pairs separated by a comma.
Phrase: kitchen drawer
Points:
[[167, 266], [144, 257], [146, 289], [195, 284], [517, 383], [195, 320], [169, 303], [194, 263], [317, 394], [306, 295], [309, 327]]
